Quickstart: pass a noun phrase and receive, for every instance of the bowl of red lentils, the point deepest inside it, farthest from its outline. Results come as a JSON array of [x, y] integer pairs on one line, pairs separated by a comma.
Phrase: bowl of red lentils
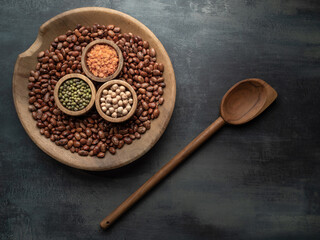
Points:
[[102, 60]]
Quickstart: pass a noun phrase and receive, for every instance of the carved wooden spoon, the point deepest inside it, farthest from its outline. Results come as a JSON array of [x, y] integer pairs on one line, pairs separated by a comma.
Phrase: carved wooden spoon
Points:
[[242, 103]]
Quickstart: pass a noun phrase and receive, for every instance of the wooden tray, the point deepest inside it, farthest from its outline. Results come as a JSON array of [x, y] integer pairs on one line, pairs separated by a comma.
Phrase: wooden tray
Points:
[[27, 61]]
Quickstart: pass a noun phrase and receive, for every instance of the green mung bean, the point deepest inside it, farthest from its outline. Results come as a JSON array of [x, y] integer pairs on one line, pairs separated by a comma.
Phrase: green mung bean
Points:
[[74, 94]]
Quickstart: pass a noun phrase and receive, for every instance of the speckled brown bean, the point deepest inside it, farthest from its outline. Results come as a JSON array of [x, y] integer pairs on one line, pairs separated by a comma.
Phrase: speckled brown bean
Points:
[[116, 29], [156, 113], [142, 130], [120, 145], [145, 106], [41, 54], [63, 141], [147, 124], [100, 155], [152, 52], [112, 150], [103, 148], [89, 141], [46, 134], [70, 143], [96, 150], [137, 135], [101, 134], [88, 132], [127, 140], [62, 38], [160, 67], [32, 99], [76, 144], [83, 141], [152, 105], [115, 140], [77, 136], [83, 153]]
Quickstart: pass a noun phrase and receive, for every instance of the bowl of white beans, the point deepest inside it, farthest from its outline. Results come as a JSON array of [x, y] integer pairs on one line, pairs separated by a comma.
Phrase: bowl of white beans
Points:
[[116, 101]]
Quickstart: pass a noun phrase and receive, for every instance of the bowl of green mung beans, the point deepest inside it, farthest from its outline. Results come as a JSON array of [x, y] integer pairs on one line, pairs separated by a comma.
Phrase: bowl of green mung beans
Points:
[[74, 94]]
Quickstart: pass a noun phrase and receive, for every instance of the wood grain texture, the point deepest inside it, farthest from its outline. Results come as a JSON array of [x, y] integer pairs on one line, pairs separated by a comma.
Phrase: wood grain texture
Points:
[[84, 60], [246, 100], [56, 94], [27, 61], [107, 85]]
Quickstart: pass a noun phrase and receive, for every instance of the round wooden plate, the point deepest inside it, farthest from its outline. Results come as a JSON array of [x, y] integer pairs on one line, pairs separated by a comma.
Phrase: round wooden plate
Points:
[[27, 61]]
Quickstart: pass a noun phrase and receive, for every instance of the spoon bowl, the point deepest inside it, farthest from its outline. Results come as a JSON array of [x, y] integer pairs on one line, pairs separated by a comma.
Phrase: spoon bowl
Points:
[[246, 100]]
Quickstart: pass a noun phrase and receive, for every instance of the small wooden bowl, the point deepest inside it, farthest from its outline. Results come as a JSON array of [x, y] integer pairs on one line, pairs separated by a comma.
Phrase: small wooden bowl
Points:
[[56, 94], [86, 68], [107, 85]]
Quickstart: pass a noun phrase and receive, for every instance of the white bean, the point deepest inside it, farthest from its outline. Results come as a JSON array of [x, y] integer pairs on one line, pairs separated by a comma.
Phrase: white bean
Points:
[[120, 109], [114, 87], [128, 93], [128, 107], [114, 101]]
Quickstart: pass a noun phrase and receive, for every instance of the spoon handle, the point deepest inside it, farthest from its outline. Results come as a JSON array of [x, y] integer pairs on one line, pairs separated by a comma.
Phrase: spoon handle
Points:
[[164, 171]]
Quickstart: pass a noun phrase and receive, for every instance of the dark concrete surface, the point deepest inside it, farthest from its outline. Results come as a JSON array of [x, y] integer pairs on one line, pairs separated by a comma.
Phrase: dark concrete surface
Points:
[[257, 181]]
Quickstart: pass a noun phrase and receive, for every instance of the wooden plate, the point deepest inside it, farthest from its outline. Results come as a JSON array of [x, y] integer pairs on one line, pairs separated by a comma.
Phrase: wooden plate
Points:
[[27, 61]]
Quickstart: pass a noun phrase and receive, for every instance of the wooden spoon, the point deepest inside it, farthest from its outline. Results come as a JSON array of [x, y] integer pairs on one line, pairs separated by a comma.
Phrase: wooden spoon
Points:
[[242, 103]]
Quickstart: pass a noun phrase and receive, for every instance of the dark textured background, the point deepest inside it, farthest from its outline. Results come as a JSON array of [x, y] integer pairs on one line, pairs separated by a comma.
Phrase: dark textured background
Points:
[[257, 181]]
